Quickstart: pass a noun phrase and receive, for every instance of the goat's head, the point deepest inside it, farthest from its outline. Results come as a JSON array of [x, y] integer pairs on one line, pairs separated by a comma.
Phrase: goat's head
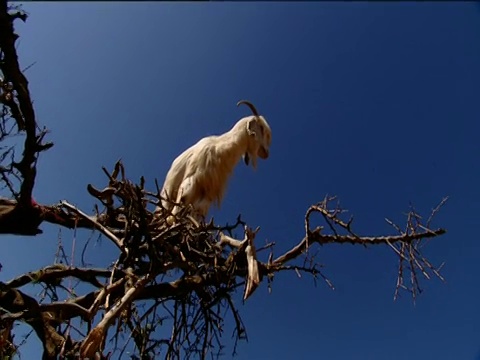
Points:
[[259, 136]]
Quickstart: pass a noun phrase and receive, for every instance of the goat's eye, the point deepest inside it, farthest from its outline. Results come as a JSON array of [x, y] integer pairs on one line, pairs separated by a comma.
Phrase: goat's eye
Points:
[[261, 130]]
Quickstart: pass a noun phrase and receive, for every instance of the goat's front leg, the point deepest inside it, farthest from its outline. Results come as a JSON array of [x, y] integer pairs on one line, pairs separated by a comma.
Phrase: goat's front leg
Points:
[[186, 192]]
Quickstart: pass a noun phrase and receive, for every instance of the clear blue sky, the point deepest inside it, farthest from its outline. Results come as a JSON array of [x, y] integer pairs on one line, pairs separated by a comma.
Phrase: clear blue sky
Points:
[[377, 103]]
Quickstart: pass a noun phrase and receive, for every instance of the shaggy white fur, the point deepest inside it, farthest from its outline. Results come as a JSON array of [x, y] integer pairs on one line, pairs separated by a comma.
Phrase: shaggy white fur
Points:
[[199, 175]]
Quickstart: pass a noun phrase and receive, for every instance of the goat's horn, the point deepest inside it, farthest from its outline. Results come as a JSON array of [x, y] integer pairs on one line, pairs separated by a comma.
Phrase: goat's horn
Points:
[[250, 105]]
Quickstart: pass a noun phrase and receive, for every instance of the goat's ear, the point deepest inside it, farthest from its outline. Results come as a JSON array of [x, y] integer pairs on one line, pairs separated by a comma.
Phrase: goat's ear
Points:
[[251, 126]]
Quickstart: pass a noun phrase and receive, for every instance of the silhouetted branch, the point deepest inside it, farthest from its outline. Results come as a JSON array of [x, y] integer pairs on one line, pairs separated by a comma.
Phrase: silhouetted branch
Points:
[[17, 105], [14, 301], [53, 273]]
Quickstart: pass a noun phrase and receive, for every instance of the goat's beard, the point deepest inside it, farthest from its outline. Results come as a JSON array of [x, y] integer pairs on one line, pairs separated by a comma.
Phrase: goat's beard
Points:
[[246, 158], [250, 158]]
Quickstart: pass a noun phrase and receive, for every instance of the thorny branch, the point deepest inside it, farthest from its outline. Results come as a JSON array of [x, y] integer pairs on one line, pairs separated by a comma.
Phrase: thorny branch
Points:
[[189, 271], [182, 278]]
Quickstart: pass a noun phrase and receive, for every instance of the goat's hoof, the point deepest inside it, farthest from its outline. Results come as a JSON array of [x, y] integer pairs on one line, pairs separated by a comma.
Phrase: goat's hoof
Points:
[[170, 220]]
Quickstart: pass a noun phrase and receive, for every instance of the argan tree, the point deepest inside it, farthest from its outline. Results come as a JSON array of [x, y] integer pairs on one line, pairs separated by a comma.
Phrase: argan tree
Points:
[[172, 287]]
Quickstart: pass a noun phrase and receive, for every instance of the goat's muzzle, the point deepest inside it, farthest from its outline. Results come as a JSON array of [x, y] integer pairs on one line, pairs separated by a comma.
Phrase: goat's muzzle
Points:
[[263, 153]]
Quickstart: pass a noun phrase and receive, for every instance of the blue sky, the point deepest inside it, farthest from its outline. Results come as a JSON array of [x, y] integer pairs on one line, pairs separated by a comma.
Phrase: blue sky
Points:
[[374, 102]]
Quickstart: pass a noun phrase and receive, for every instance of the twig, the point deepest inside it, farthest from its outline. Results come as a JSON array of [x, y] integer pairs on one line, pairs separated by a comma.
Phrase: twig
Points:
[[97, 225]]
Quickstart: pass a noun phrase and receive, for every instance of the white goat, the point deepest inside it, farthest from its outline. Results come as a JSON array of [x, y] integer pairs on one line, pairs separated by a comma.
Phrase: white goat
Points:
[[199, 175]]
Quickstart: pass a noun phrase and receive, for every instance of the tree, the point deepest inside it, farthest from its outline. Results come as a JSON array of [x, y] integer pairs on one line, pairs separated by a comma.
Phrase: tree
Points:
[[183, 277]]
